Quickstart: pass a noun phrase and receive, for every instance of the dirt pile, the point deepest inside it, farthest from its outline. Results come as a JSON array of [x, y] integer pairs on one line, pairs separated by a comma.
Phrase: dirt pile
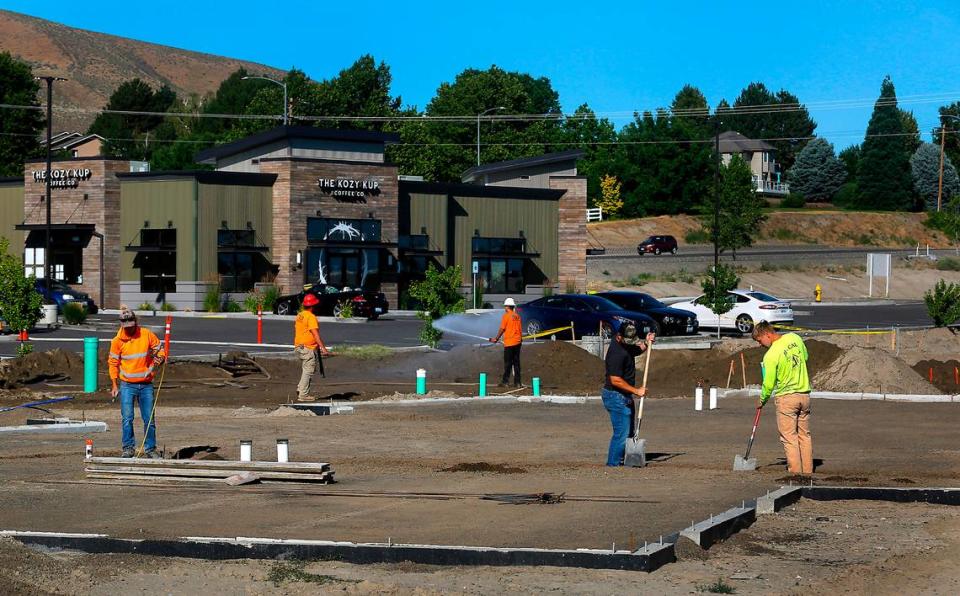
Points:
[[483, 466], [871, 370], [945, 374], [55, 365]]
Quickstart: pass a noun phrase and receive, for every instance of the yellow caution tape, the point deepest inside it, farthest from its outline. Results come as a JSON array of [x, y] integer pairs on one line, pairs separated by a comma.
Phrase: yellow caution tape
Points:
[[837, 331], [547, 332]]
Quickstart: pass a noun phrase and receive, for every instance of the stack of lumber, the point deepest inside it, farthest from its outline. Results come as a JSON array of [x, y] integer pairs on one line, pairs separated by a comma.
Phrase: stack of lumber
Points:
[[136, 469]]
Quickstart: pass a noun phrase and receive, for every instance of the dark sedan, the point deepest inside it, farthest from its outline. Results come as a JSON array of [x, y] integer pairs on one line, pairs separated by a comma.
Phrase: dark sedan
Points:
[[588, 313], [62, 294], [670, 321], [365, 303]]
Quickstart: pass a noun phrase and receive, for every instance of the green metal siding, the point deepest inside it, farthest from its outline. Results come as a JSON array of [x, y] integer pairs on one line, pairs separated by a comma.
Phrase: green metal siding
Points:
[[539, 220], [235, 205], [158, 202], [430, 212], [11, 214]]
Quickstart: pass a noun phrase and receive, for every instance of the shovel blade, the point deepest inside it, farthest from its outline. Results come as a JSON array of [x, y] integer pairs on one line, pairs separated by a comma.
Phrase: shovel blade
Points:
[[744, 465], [635, 455]]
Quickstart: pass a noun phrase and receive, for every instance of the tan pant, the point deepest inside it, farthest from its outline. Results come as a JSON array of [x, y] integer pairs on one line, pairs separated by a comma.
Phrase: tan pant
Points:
[[793, 422], [308, 367]]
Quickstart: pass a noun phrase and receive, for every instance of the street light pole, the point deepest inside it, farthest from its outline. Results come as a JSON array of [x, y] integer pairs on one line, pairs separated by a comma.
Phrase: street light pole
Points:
[[286, 108], [484, 113], [716, 197], [47, 261], [943, 134]]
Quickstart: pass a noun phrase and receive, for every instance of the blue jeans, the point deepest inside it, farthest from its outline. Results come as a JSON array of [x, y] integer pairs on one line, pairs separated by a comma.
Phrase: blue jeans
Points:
[[142, 393], [620, 409]]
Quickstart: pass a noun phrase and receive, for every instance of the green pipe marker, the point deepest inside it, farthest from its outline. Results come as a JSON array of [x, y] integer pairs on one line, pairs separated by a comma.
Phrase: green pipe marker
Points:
[[483, 385], [421, 381], [536, 386], [90, 345]]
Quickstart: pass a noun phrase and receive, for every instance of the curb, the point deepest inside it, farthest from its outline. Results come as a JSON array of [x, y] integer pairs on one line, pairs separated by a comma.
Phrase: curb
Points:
[[878, 302], [840, 396], [228, 315]]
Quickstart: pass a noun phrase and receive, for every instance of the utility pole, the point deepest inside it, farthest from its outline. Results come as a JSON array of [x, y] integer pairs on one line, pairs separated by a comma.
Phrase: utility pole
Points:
[[716, 198], [47, 260]]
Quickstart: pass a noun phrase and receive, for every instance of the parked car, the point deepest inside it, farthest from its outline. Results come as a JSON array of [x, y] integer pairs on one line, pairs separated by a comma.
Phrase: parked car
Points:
[[669, 320], [749, 308], [658, 245], [585, 311], [365, 303], [62, 294]]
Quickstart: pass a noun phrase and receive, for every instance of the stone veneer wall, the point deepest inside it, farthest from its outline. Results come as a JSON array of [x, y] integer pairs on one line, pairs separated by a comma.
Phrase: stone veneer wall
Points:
[[101, 207], [297, 196], [572, 233]]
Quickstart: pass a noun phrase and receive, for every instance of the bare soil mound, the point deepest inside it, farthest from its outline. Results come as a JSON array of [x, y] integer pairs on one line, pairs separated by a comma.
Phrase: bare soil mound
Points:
[[944, 374], [484, 467], [40, 366], [871, 370]]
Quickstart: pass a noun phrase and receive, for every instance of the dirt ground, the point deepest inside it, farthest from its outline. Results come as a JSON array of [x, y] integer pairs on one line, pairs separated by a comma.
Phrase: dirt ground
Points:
[[810, 548]]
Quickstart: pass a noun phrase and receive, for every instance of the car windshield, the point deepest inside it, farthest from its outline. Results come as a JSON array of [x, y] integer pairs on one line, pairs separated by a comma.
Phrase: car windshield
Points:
[[762, 297], [601, 304], [651, 302], [648, 240]]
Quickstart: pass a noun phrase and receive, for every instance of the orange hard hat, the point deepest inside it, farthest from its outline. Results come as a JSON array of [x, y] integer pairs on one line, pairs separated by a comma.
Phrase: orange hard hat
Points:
[[310, 300]]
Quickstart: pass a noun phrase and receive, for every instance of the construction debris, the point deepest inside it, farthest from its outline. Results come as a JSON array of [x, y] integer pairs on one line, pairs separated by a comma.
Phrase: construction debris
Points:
[[117, 468]]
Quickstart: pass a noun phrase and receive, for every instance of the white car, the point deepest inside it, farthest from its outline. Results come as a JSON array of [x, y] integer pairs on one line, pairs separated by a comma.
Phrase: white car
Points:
[[749, 308]]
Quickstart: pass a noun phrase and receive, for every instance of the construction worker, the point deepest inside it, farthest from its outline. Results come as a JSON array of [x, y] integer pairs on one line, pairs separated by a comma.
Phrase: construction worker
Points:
[[307, 342], [135, 353], [784, 372], [620, 386], [511, 330]]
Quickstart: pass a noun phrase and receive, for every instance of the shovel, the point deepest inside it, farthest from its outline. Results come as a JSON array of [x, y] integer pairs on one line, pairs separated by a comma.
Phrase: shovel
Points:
[[745, 463], [636, 448]]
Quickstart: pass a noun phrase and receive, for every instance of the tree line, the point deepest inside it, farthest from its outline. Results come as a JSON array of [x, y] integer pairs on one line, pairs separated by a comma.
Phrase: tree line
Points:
[[661, 162]]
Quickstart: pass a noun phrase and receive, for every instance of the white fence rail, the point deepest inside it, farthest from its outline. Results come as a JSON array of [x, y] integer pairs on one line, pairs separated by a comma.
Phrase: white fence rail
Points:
[[595, 214]]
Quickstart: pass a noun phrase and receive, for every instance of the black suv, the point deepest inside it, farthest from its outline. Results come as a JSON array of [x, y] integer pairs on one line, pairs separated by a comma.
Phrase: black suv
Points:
[[658, 245]]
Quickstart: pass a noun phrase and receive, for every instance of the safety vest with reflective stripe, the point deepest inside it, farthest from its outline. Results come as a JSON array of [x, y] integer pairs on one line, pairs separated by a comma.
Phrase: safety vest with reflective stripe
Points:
[[131, 358]]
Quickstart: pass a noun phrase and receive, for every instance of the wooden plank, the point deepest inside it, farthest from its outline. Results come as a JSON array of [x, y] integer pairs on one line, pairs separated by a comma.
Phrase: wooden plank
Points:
[[141, 479], [135, 471], [212, 464]]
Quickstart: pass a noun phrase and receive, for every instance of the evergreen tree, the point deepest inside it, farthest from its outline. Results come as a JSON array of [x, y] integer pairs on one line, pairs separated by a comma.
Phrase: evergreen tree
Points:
[[21, 128], [911, 131], [951, 141], [817, 173], [851, 160], [128, 135], [741, 209], [884, 180], [925, 165], [596, 137]]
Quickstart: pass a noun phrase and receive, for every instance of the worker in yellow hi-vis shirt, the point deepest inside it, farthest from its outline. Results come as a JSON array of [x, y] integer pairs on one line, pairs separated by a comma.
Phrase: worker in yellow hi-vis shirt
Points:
[[785, 373]]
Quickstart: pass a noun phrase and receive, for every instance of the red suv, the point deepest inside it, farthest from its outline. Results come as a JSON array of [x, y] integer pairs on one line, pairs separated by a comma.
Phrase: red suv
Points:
[[658, 245]]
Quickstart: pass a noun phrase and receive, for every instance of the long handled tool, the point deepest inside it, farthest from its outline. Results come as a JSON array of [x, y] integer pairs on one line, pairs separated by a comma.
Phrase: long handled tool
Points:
[[636, 448], [744, 463]]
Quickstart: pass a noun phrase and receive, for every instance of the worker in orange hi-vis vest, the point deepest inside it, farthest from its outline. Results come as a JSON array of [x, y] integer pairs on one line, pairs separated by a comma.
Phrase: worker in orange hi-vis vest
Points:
[[512, 334], [135, 353]]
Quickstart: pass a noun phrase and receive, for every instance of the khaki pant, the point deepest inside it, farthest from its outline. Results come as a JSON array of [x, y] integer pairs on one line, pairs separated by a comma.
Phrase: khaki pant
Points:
[[793, 422], [308, 367]]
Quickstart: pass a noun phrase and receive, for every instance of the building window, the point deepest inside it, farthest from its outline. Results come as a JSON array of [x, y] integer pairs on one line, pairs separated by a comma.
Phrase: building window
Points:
[[240, 261], [33, 262], [485, 245], [157, 260], [501, 276], [327, 229]]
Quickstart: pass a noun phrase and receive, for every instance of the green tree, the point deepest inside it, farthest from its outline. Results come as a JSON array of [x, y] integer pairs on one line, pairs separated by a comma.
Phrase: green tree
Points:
[[951, 141], [911, 131], [780, 118], [943, 303], [741, 210], [596, 137], [716, 289], [232, 97], [925, 166], [817, 174], [883, 175], [21, 128], [439, 295], [851, 160], [128, 135], [19, 300], [610, 201]]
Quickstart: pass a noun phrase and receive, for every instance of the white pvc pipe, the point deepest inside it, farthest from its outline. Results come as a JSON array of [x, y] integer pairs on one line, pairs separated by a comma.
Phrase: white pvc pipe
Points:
[[698, 399], [246, 450], [713, 398], [283, 451]]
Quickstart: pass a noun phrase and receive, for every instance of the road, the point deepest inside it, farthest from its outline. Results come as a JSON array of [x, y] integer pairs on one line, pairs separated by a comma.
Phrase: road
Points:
[[197, 336]]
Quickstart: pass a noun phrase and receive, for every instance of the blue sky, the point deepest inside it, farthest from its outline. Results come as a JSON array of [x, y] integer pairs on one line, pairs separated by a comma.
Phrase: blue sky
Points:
[[616, 56]]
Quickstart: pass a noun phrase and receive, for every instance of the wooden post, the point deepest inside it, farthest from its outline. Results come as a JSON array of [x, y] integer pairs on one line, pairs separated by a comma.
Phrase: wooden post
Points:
[[743, 370], [730, 374], [573, 333]]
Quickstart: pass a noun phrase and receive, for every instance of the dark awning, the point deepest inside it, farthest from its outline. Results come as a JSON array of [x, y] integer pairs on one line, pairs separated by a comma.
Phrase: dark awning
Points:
[[509, 255], [73, 235], [357, 245], [420, 252]]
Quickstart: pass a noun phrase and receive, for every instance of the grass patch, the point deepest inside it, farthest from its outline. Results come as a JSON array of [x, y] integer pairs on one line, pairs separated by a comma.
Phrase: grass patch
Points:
[[288, 572], [366, 352], [634, 280], [948, 264], [700, 236], [784, 234], [717, 587], [766, 267]]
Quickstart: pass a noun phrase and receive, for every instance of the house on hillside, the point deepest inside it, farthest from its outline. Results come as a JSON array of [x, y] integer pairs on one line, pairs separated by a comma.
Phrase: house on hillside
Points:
[[759, 155], [75, 144]]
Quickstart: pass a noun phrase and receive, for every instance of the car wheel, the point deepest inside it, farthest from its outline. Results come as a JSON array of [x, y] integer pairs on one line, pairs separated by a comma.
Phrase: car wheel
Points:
[[534, 327], [606, 331], [744, 324], [656, 251], [284, 308], [655, 328], [673, 250], [373, 317]]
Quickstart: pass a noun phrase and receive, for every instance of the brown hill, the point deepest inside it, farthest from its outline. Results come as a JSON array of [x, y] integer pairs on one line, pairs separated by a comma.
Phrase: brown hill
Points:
[[96, 63]]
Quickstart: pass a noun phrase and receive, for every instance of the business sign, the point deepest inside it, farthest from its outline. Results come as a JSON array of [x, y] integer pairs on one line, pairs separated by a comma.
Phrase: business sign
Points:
[[64, 178], [349, 188]]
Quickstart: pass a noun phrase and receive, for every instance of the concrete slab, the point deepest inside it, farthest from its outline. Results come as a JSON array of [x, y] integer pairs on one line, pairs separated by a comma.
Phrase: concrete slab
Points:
[[778, 499], [57, 428], [720, 527]]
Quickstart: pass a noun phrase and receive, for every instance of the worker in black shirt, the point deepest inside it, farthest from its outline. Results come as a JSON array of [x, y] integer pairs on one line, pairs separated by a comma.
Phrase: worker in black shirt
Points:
[[620, 386]]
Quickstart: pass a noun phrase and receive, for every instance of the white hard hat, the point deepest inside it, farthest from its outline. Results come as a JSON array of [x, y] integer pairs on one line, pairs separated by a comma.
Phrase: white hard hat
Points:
[[509, 302]]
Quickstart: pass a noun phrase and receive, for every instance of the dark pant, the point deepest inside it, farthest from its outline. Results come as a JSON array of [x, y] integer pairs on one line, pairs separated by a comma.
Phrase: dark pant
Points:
[[511, 360], [620, 409]]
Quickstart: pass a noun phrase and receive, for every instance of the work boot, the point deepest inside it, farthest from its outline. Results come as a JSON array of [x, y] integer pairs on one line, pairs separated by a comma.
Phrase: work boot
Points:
[[306, 398], [153, 454], [126, 453]]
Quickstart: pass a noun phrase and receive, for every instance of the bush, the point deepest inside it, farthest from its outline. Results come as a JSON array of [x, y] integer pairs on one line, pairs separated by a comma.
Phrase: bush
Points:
[[943, 303], [167, 307], [948, 264], [700, 236], [429, 334], [231, 305], [265, 299], [346, 309], [74, 313], [439, 295], [846, 197], [23, 349], [793, 200], [19, 300], [146, 306], [212, 300]]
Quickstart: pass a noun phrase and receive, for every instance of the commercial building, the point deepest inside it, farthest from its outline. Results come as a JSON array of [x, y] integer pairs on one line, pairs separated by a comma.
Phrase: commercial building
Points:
[[297, 205]]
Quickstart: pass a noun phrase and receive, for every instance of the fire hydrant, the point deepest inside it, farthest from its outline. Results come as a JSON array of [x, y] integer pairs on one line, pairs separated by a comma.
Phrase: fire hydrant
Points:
[[817, 293]]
